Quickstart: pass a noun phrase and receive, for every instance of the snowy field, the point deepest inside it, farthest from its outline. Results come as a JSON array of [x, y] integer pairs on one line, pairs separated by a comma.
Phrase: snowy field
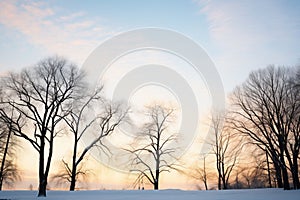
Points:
[[262, 194]]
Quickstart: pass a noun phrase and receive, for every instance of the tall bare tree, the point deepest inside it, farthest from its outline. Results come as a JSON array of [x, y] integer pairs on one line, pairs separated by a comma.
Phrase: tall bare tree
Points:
[[150, 155], [203, 175], [201, 172], [62, 178], [8, 170], [41, 94], [110, 116], [292, 149], [266, 107], [226, 147], [8, 146]]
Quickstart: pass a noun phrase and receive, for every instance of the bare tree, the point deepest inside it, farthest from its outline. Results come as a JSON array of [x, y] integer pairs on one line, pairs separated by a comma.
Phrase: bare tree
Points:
[[64, 175], [254, 173], [226, 147], [74, 121], [203, 173], [292, 149], [110, 116], [266, 107], [8, 146], [200, 172], [8, 171], [41, 94], [150, 156]]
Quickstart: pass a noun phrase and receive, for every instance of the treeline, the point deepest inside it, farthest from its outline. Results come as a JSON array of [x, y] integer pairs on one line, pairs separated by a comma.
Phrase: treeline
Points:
[[42, 102], [53, 97], [256, 140], [268, 112]]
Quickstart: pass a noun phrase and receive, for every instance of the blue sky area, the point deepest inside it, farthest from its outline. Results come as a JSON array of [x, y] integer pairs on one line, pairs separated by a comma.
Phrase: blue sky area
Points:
[[239, 36]]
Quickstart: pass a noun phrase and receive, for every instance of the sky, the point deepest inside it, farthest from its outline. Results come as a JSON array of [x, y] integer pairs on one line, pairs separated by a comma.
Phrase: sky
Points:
[[238, 36]]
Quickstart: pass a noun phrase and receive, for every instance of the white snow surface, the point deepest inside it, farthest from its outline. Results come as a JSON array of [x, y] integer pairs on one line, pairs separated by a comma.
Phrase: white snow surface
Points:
[[256, 194]]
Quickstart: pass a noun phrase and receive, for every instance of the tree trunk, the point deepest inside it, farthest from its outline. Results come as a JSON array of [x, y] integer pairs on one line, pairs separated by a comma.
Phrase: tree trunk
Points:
[[42, 187], [42, 178], [205, 184], [286, 185], [293, 166], [293, 161], [204, 174], [296, 172], [224, 183], [74, 166], [219, 173], [156, 185], [269, 172], [219, 181], [277, 171], [223, 176], [73, 182], [278, 176], [157, 179], [4, 157]]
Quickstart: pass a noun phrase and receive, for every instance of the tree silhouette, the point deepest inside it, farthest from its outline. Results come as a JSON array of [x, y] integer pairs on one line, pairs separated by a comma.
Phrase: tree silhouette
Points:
[[151, 153], [267, 111], [41, 94]]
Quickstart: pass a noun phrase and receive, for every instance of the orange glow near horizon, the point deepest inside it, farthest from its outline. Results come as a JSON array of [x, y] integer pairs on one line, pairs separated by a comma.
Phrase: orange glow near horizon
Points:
[[101, 177]]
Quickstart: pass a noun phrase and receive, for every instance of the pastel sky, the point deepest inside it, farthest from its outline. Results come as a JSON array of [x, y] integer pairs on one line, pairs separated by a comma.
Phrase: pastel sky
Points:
[[239, 36]]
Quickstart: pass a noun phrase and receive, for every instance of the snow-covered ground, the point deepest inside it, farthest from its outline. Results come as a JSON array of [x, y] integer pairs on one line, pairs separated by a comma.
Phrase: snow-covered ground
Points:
[[261, 194]]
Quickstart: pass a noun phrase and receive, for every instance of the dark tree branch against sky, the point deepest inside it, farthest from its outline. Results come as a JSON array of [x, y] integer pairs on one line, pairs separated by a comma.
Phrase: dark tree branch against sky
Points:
[[150, 157], [41, 94]]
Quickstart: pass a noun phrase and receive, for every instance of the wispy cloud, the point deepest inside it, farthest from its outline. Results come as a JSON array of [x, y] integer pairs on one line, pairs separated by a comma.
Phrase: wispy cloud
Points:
[[248, 22], [252, 34], [72, 16], [72, 35]]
